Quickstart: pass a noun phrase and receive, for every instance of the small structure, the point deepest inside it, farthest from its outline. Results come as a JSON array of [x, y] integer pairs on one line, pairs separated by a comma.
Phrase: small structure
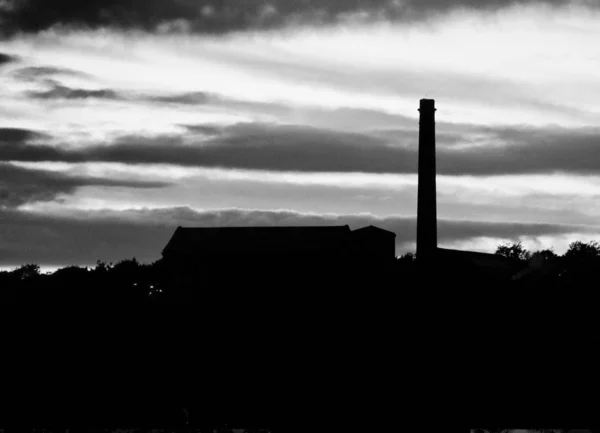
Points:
[[373, 244], [475, 267]]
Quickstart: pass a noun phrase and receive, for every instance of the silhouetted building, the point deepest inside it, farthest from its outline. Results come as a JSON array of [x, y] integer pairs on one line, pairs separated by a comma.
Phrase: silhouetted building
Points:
[[271, 256], [373, 244], [256, 242], [475, 267], [463, 266]]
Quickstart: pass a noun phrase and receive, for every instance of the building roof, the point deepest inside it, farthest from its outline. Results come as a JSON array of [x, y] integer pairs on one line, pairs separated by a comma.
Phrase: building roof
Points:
[[492, 263], [369, 230], [196, 240]]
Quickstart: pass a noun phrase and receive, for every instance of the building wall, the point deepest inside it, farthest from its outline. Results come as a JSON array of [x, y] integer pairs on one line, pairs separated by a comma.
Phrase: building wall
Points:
[[374, 246], [355, 262]]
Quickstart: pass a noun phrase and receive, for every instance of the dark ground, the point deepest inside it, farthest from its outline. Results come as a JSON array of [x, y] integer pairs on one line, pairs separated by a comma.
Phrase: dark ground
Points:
[[271, 356]]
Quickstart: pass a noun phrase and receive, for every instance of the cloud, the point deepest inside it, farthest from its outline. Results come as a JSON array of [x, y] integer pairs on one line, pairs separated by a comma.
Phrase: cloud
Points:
[[7, 58], [259, 146], [248, 146], [82, 237], [59, 91], [191, 98], [452, 230], [207, 16], [518, 150], [264, 147], [19, 186], [17, 136], [341, 119], [64, 241], [212, 130], [515, 150], [31, 73], [16, 144]]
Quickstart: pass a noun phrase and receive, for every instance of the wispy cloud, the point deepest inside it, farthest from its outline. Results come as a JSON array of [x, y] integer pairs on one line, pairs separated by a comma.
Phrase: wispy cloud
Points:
[[193, 98], [63, 92], [485, 151], [283, 74], [7, 58], [19, 186], [19, 136], [41, 72], [227, 15]]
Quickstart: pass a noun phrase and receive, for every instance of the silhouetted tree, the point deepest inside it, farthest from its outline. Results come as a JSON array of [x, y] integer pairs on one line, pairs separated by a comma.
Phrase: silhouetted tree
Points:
[[582, 251], [547, 254], [7, 287], [513, 251], [102, 267], [71, 284], [407, 258], [579, 264], [26, 271], [541, 271], [129, 281]]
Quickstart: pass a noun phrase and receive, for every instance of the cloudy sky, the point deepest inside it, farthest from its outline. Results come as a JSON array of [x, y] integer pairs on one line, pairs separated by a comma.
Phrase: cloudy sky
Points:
[[122, 119]]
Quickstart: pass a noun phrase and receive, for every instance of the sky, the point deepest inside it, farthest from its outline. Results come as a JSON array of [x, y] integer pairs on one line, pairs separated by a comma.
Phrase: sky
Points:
[[123, 119]]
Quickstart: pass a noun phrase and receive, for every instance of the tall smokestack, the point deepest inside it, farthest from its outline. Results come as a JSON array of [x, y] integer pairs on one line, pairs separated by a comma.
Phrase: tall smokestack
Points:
[[426, 207]]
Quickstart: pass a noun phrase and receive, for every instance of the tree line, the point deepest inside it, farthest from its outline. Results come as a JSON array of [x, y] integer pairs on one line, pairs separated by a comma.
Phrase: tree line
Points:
[[127, 281], [131, 281]]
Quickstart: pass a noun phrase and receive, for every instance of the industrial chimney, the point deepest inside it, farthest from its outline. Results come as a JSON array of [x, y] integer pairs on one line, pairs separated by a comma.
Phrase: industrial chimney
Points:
[[426, 207]]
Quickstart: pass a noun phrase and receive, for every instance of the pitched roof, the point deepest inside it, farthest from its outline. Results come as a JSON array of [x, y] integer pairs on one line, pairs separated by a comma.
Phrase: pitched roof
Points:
[[188, 240], [373, 230]]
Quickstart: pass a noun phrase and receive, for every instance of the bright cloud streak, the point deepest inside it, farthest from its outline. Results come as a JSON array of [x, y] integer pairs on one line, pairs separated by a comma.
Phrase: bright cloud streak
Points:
[[335, 67], [508, 186], [500, 198]]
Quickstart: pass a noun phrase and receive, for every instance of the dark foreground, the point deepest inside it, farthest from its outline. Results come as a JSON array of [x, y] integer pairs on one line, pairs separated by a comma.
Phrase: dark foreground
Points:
[[289, 351]]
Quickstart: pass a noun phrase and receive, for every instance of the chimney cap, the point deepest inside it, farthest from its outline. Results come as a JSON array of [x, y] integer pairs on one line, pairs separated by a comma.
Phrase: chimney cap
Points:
[[427, 104]]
